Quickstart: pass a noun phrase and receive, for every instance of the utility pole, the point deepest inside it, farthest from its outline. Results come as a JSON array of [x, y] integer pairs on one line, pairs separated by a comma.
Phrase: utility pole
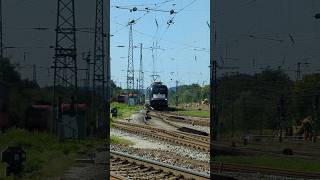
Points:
[[108, 80], [213, 75], [315, 118], [141, 76], [153, 64], [282, 115], [137, 85], [87, 58], [232, 111], [1, 31], [298, 77], [154, 73], [48, 76], [34, 72], [24, 56], [65, 59], [99, 98], [213, 84], [177, 95], [130, 69]]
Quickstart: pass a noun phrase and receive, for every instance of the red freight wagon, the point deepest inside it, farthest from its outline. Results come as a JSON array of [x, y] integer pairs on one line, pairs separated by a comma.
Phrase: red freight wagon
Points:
[[38, 117]]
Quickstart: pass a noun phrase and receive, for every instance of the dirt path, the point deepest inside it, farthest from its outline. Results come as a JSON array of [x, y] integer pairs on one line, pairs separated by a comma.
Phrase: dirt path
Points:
[[88, 170]]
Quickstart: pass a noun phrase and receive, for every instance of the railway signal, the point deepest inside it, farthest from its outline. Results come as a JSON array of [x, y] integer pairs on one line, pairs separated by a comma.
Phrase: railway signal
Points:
[[15, 158]]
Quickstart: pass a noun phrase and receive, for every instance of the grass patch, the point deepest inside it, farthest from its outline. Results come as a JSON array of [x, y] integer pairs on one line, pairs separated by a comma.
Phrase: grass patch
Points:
[[195, 113], [295, 164], [46, 156], [124, 111], [118, 140]]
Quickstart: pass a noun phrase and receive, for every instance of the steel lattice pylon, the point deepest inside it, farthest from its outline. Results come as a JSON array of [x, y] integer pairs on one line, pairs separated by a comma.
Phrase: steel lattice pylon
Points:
[[130, 70], [65, 59], [141, 75], [99, 65]]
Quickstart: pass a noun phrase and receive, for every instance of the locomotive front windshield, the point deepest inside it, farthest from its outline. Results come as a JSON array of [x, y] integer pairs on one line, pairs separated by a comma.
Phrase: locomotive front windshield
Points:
[[158, 96], [159, 90]]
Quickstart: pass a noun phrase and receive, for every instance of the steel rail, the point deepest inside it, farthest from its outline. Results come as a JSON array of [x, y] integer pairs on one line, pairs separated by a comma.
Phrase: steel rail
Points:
[[158, 134], [225, 167], [140, 167]]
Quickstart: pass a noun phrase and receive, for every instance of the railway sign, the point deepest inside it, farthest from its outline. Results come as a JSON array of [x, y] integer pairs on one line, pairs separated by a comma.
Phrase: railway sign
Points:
[[15, 158]]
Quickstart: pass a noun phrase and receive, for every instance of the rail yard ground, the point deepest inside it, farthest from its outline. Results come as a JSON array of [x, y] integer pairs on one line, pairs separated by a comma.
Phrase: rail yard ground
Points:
[[254, 157], [193, 110], [47, 157], [159, 150]]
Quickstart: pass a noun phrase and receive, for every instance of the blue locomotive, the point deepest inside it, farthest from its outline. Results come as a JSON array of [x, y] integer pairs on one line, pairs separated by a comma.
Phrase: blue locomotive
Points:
[[157, 96]]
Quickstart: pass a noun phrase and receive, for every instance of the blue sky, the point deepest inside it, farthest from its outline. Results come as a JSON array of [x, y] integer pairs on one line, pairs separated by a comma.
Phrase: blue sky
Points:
[[238, 21], [179, 61]]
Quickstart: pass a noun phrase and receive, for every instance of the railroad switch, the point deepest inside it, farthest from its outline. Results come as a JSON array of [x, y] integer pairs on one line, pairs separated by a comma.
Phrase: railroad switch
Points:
[[15, 158]]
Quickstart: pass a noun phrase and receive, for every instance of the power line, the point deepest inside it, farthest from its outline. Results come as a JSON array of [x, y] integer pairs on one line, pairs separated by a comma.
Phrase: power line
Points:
[[132, 6], [147, 10], [170, 21], [196, 48]]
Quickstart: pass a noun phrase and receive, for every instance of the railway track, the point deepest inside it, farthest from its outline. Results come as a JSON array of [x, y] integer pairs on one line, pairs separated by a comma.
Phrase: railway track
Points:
[[223, 168], [179, 134], [202, 143], [125, 166], [226, 146], [192, 132], [182, 119], [194, 141], [169, 136]]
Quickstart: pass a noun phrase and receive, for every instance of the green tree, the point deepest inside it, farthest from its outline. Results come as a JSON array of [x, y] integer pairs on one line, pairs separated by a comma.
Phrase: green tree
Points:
[[8, 72]]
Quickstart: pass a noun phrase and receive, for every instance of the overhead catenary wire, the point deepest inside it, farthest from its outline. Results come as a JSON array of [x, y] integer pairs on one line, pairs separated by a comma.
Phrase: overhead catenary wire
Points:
[[155, 4], [182, 44], [170, 21], [147, 10]]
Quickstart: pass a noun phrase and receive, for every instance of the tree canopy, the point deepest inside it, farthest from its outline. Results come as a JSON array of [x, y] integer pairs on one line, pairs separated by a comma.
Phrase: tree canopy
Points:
[[265, 100]]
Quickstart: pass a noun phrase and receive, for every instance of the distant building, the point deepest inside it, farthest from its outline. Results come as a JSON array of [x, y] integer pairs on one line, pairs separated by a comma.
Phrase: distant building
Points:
[[133, 99], [123, 98]]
